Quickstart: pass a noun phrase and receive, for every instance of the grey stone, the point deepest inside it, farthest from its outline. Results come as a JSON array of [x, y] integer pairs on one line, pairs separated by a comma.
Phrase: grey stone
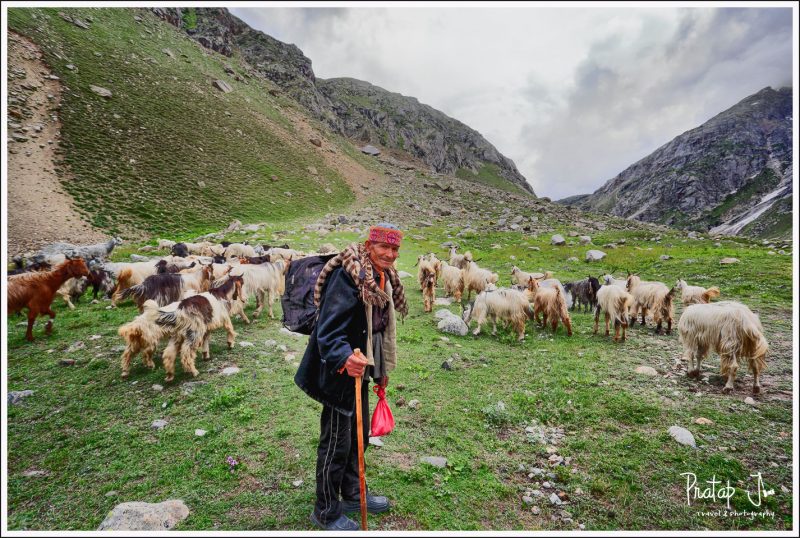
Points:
[[200, 433], [453, 324], [157, 387], [558, 240], [375, 441], [436, 461], [223, 86], [728, 261], [554, 499], [527, 500], [102, 92], [189, 386], [141, 516], [646, 370], [230, 370], [16, 396], [403, 274], [159, 424], [595, 255], [370, 150], [682, 436]]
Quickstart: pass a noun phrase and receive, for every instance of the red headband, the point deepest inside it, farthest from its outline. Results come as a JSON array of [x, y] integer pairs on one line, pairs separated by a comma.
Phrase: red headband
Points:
[[377, 234]]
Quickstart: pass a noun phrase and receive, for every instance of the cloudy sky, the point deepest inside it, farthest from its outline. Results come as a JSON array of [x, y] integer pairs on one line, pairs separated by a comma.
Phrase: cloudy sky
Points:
[[573, 95]]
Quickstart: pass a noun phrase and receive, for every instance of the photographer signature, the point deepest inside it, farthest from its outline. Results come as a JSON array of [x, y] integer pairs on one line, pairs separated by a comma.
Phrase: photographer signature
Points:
[[717, 491]]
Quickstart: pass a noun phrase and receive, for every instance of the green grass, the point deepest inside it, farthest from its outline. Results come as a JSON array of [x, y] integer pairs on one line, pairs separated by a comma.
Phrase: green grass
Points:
[[133, 163], [91, 431], [489, 174]]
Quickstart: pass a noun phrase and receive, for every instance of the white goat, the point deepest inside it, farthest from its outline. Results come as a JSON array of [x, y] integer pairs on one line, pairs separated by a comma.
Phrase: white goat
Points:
[[500, 303], [453, 280], [521, 278], [730, 329], [615, 302], [696, 294], [476, 278]]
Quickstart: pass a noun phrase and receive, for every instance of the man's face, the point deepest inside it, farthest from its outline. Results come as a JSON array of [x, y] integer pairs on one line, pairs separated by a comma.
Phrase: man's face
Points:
[[382, 255]]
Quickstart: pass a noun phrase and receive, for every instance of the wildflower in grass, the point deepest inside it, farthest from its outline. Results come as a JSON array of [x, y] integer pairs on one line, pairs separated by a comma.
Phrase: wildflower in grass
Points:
[[232, 462]]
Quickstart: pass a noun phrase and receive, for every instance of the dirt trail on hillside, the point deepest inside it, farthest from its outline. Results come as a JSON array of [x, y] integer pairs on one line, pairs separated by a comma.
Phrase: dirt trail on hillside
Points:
[[39, 211]]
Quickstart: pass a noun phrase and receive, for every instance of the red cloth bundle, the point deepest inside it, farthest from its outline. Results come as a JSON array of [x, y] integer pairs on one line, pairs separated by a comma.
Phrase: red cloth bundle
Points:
[[382, 419]]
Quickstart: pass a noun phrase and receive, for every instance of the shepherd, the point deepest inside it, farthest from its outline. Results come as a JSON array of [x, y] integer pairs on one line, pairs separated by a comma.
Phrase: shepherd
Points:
[[358, 293]]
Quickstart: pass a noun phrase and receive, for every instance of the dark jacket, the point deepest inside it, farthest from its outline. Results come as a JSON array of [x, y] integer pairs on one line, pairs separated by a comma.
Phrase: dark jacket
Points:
[[341, 327]]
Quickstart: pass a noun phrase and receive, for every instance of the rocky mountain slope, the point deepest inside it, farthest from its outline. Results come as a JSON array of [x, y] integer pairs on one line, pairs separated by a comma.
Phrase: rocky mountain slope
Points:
[[356, 109], [731, 175]]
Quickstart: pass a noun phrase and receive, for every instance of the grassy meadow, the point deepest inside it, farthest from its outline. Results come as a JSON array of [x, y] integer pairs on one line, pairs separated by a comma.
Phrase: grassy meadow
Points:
[[91, 432]]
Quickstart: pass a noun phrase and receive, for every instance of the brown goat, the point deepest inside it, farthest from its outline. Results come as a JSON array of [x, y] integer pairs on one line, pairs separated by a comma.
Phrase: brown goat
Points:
[[36, 291]]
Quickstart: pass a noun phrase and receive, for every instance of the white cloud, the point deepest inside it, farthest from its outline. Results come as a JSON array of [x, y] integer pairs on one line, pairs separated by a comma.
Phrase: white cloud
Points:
[[572, 95]]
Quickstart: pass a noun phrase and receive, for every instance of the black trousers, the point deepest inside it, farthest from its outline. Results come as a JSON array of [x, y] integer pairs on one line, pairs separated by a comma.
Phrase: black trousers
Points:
[[337, 458]]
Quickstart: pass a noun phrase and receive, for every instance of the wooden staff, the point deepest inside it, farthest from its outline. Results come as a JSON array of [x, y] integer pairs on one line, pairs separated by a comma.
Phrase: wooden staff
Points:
[[362, 481]]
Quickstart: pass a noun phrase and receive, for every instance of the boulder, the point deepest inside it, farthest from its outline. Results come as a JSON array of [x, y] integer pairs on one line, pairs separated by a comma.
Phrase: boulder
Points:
[[454, 325], [436, 461], [223, 86], [584, 240], [728, 261], [316, 141], [595, 255], [16, 396], [558, 240], [102, 92], [646, 370], [682, 436], [141, 516], [371, 150]]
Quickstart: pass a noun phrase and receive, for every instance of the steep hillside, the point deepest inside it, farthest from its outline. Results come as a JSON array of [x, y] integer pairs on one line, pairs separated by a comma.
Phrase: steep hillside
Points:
[[733, 174], [354, 108], [152, 145]]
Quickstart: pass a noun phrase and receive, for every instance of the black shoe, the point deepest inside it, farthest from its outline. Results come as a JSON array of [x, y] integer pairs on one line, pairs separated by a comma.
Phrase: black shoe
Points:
[[375, 505], [344, 523]]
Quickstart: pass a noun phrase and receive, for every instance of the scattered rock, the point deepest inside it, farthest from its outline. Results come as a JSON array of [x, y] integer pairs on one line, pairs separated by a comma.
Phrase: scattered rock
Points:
[[527, 500], [102, 92], [536, 510], [665, 257], [682, 436], [245, 344], [375, 441], [35, 472], [452, 324], [16, 396], [286, 331], [200, 433], [414, 404], [646, 370], [157, 387], [703, 420], [230, 370], [76, 346], [749, 401], [436, 461], [141, 516], [403, 274], [572, 259], [316, 141], [728, 261], [223, 86], [67, 362], [558, 240], [595, 255], [554, 499], [159, 424], [443, 301], [189, 386], [112, 493], [371, 150], [297, 483]]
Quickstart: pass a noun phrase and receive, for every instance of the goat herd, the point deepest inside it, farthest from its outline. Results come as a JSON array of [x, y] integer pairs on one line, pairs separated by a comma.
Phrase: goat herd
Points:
[[729, 328], [196, 289]]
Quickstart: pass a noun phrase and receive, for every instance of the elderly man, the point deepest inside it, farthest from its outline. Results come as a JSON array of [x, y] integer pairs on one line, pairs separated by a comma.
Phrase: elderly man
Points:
[[358, 293]]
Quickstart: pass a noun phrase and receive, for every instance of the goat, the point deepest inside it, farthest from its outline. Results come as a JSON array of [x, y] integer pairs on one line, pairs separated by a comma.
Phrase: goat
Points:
[[129, 274], [266, 278], [609, 280], [584, 292], [167, 288], [57, 251], [460, 260], [437, 265], [34, 266], [453, 281], [476, 278], [696, 294], [193, 320], [179, 249], [551, 303], [651, 296], [143, 334], [239, 250], [254, 260], [35, 291], [428, 283], [520, 277], [163, 267], [423, 268], [285, 254], [615, 302], [730, 329], [500, 303], [554, 282], [165, 244]]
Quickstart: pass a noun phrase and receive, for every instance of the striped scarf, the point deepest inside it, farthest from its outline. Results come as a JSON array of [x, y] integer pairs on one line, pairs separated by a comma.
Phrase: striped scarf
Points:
[[353, 259]]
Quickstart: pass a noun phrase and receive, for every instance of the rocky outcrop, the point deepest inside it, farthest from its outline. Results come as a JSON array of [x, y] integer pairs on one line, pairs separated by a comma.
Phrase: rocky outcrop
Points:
[[354, 108], [729, 175]]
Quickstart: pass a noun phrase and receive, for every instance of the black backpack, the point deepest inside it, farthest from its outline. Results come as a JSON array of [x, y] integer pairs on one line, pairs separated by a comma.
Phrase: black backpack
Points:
[[297, 302]]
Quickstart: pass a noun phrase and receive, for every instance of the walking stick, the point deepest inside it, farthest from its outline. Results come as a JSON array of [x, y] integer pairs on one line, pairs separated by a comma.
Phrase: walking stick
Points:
[[362, 482]]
